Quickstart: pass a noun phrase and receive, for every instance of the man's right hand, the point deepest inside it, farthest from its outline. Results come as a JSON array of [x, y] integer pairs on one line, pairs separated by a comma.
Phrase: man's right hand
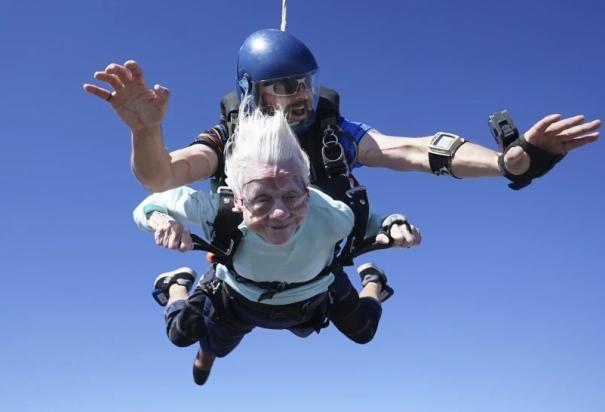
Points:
[[138, 106]]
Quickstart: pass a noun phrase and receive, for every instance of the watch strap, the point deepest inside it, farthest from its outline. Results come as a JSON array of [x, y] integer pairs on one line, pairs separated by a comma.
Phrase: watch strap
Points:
[[441, 163]]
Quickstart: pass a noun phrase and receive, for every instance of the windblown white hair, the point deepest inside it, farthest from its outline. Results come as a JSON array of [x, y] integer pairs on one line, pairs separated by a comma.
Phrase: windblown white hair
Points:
[[261, 139]]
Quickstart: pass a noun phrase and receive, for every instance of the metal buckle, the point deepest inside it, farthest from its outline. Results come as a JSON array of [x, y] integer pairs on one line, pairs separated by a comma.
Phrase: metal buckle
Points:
[[354, 191], [226, 193]]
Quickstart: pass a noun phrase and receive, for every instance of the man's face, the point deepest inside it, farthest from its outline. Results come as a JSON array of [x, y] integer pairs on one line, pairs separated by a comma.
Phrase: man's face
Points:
[[297, 105]]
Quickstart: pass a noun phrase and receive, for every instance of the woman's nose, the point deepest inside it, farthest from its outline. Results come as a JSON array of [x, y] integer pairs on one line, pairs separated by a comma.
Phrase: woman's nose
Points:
[[279, 210]]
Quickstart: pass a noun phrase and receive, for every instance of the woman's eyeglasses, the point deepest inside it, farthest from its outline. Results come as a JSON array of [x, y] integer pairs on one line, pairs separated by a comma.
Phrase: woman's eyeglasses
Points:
[[260, 199]]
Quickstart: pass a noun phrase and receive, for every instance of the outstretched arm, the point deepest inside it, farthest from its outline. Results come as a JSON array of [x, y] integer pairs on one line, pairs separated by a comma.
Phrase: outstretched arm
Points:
[[552, 134], [142, 109]]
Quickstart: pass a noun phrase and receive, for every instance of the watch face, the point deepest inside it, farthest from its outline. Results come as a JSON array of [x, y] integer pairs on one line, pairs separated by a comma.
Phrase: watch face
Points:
[[444, 142]]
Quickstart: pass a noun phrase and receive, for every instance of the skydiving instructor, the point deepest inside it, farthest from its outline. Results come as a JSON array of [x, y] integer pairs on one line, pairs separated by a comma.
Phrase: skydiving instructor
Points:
[[278, 70]]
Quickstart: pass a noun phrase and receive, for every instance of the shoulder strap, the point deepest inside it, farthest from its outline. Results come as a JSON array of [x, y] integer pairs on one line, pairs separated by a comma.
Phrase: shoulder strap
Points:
[[225, 236], [229, 111], [336, 178]]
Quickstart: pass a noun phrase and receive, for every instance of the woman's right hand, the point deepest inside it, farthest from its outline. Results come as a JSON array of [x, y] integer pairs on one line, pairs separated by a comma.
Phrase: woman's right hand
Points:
[[169, 233]]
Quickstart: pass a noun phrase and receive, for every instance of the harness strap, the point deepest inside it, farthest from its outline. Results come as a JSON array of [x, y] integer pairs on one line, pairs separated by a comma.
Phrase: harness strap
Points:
[[341, 185], [271, 288], [225, 234], [215, 291], [229, 111]]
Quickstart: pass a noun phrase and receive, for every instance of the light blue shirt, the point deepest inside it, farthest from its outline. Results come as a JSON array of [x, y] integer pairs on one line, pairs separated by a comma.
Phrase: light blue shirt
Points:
[[300, 259]]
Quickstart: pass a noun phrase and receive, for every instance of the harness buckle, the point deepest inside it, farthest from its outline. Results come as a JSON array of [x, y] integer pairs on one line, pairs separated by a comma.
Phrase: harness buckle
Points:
[[212, 287], [357, 193], [333, 154], [225, 251]]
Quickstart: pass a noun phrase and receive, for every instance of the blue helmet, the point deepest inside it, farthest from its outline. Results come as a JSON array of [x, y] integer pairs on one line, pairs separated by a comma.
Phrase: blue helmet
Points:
[[280, 61]]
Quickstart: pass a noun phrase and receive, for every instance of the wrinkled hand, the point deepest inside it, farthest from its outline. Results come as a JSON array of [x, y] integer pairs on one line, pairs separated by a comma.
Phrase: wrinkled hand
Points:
[[137, 105], [403, 234], [555, 135], [169, 233]]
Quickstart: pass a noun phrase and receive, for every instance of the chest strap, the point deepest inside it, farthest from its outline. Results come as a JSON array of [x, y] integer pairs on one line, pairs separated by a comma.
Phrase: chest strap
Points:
[[271, 288]]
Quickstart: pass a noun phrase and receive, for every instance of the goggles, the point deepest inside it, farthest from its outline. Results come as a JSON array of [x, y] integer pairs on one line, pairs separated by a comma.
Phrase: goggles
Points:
[[288, 86], [260, 199]]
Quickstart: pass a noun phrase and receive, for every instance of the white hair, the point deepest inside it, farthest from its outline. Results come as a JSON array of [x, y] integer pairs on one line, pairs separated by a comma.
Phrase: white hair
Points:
[[261, 139]]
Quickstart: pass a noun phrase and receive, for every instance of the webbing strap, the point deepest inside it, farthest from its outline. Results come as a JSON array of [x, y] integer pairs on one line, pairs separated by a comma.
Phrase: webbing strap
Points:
[[271, 288], [225, 234], [341, 185]]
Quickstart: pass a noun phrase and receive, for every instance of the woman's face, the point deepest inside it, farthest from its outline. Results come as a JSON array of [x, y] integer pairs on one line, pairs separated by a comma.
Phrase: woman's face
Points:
[[274, 202]]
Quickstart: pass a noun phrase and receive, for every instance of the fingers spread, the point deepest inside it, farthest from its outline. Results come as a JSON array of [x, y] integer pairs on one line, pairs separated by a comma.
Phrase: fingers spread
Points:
[[561, 125], [120, 71], [112, 79], [570, 145], [97, 91], [135, 69], [162, 93], [542, 125], [580, 130]]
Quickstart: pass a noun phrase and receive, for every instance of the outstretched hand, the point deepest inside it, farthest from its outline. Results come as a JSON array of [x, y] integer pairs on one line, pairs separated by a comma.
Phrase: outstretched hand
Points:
[[554, 135], [559, 136], [169, 233], [137, 105]]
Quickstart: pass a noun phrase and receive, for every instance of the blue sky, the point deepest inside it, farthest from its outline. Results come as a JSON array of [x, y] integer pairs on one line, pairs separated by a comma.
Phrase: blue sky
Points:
[[500, 309]]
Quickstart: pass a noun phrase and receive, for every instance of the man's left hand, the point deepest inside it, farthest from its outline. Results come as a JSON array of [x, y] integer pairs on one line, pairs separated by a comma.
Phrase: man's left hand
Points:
[[554, 135]]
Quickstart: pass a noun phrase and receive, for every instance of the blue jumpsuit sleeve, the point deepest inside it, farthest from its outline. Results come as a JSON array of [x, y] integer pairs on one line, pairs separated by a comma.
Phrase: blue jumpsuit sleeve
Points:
[[354, 132]]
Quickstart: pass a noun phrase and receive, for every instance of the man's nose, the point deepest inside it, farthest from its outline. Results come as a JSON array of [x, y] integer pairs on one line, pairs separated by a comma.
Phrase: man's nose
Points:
[[301, 89]]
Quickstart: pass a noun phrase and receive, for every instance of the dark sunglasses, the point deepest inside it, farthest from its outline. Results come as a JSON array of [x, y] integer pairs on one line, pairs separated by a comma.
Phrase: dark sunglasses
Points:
[[287, 86]]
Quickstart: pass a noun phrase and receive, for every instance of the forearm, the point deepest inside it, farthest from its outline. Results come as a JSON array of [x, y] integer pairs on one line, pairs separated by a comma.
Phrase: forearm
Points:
[[150, 161], [170, 203], [473, 160], [159, 170], [411, 154], [185, 205]]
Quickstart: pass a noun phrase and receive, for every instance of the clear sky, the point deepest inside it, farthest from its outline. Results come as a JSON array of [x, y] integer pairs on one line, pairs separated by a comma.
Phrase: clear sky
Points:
[[502, 307]]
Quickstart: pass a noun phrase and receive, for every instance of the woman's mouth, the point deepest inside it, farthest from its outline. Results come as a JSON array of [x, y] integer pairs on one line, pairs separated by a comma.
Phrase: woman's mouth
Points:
[[279, 227]]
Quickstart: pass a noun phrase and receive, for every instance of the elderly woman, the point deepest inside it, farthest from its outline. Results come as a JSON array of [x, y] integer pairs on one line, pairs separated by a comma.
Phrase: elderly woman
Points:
[[289, 232]]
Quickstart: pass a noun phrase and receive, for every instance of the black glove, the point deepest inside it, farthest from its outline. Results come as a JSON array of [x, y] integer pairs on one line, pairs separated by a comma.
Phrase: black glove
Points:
[[541, 162]]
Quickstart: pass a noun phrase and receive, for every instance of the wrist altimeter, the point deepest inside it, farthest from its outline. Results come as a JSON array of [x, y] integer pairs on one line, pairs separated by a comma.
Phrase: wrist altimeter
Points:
[[442, 148], [503, 129]]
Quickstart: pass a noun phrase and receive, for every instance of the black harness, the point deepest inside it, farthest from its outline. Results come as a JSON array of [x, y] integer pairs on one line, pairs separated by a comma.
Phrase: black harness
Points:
[[330, 172]]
